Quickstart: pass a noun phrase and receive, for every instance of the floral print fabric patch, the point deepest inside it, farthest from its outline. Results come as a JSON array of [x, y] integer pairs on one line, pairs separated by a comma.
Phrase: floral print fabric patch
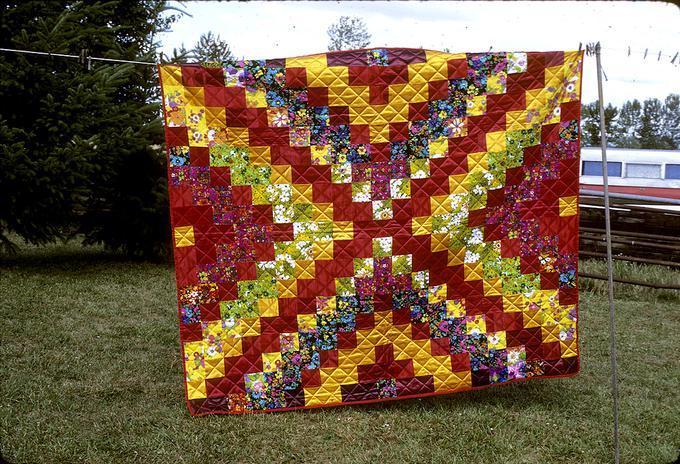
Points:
[[378, 224]]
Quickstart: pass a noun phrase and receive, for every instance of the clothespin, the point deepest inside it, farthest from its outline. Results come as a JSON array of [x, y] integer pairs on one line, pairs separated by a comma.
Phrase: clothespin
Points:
[[645, 57], [85, 59], [628, 50], [659, 57]]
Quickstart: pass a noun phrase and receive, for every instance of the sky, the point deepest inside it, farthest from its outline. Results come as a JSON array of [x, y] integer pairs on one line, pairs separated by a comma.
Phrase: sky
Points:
[[258, 30]]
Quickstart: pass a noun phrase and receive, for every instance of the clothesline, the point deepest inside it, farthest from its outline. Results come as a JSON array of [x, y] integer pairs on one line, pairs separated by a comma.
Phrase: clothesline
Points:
[[87, 59]]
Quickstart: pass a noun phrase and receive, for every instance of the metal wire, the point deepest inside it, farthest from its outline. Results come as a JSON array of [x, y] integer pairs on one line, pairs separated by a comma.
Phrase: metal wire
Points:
[[78, 57]]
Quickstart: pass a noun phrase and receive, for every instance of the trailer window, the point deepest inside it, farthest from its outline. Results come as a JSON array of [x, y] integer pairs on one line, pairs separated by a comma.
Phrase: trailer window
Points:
[[647, 171], [594, 168], [673, 171]]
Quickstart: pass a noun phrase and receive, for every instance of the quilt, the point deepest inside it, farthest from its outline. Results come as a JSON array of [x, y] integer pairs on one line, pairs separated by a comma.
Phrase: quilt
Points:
[[372, 225]]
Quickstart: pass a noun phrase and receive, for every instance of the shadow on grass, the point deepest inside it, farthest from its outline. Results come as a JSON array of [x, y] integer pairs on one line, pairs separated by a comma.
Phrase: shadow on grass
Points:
[[71, 255]]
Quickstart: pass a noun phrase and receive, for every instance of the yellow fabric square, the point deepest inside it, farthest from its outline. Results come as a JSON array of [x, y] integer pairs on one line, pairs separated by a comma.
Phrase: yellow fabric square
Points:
[[493, 287], [322, 212], [302, 193], [343, 230], [569, 348], [568, 206], [439, 242], [214, 367], [260, 156], [287, 288], [421, 225], [495, 141], [232, 346], [310, 62], [268, 307], [250, 326], [458, 183], [456, 256], [440, 204], [474, 271], [237, 136], [550, 333], [171, 75], [184, 236], [477, 161], [333, 76], [304, 269], [196, 390], [513, 303], [316, 396], [380, 133], [532, 318], [323, 249], [194, 96], [281, 174], [519, 120], [215, 118]]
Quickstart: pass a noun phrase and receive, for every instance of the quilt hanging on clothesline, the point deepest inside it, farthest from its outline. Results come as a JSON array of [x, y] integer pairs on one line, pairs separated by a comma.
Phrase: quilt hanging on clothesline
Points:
[[371, 225]]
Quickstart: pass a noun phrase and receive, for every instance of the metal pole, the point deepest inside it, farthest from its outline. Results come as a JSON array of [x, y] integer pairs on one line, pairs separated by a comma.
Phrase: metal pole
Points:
[[610, 270]]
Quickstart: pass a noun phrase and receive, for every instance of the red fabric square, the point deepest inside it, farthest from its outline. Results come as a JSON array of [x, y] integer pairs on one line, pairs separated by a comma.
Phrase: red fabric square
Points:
[[398, 131], [317, 96], [417, 111], [378, 94], [339, 115], [199, 156], [438, 90], [296, 77], [457, 68]]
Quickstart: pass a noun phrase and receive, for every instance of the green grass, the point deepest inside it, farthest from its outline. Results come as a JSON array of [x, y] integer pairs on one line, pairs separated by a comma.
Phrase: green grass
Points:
[[91, 373]]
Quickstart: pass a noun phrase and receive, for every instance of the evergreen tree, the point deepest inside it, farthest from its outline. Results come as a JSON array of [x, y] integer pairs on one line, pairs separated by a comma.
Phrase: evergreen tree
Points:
[[80, 149], [651, 123], [213, 49], [348, 33], [590, 124], [628, 125], [670, 127]]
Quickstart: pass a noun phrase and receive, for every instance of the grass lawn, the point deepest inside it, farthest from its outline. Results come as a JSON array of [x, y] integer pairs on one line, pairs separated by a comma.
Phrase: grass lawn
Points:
[[91, 373]]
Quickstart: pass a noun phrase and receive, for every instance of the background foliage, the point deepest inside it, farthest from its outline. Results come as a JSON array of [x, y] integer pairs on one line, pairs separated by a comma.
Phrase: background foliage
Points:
[[82, 151], [652, 124], [349, 32]]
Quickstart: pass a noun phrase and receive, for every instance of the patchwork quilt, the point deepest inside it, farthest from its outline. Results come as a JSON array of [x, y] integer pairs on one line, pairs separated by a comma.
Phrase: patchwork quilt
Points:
[[372, 225]]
